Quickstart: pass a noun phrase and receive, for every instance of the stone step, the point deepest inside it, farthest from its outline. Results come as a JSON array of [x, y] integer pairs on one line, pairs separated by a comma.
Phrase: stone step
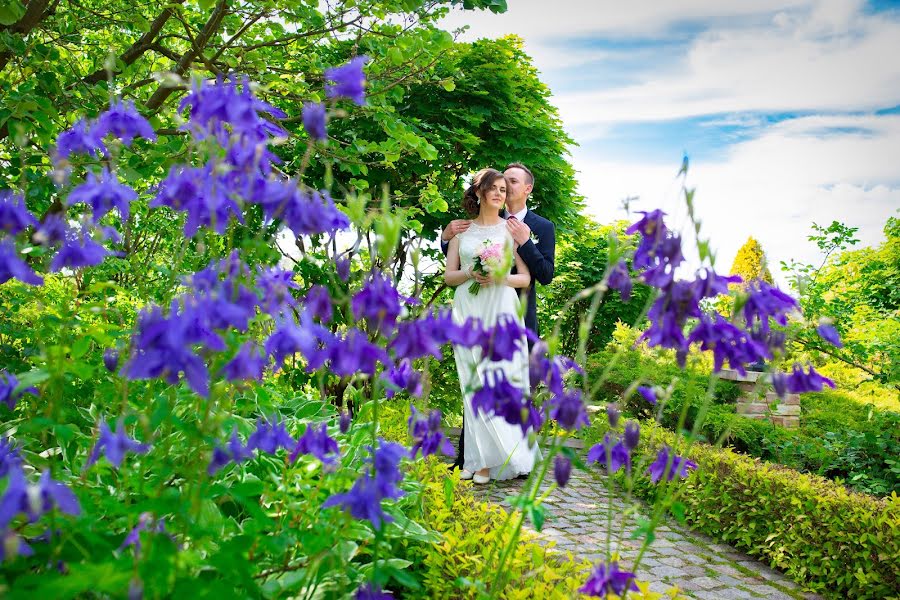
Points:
[[761, 408]]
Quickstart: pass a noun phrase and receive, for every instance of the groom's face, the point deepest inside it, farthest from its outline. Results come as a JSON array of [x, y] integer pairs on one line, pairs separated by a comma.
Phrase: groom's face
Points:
[[517, 188]]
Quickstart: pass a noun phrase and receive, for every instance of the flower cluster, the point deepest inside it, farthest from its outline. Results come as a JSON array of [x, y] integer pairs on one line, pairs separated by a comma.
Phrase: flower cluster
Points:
[[32, 501], [426, 433], [363, 501], [115, 445]]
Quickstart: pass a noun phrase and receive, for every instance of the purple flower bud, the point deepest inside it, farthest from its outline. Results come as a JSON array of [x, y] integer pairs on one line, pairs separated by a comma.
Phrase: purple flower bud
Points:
[[612, 415], [314, 120], [562, 470], [348, 80], [648, 393], [830, 335], [14, 217], [343, 269], [344, 422], [632, 434], [111, 359]]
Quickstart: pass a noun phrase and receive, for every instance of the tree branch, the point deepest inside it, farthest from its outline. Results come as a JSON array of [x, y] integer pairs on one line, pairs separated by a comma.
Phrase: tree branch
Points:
[[35, 12], [138, 48], [212, 25]]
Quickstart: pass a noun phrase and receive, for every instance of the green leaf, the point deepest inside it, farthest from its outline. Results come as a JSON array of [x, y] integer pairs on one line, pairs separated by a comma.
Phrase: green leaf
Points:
[[80, 347], [449, 486], [11, 11]]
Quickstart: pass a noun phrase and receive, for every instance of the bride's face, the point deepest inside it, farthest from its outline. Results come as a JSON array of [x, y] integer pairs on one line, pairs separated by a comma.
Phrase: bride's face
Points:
[[495, 196]]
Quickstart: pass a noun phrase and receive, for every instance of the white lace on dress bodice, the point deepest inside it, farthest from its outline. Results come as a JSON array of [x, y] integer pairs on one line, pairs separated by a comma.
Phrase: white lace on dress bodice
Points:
[[474, 238]]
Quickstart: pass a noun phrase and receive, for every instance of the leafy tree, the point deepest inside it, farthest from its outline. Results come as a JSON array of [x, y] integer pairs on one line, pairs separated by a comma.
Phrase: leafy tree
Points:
[[750, 263], [581, 262], [858, 291]]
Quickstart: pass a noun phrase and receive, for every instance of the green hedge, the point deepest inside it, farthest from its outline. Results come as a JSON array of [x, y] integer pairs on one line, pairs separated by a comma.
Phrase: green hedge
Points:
[[835, 542]]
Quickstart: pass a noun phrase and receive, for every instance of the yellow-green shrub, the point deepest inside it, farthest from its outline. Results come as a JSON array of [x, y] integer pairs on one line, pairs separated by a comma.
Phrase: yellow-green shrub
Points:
[[836, 542]]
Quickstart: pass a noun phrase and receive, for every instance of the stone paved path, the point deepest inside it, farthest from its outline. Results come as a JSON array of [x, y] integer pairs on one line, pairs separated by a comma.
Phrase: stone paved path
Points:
[[700, 567]]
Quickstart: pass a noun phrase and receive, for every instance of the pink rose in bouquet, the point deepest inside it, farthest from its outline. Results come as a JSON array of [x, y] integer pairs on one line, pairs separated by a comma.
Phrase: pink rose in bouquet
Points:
[[487, 262]]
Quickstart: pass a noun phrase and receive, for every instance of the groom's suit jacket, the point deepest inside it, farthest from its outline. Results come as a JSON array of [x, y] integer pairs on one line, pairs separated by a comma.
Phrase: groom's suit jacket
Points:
[[538, 253]]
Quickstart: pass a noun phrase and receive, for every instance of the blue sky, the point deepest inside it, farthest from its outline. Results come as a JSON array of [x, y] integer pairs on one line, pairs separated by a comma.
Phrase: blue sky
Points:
[[788, 110]]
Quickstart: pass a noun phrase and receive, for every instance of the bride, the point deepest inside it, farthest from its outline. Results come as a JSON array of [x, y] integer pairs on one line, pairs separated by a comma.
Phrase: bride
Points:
[[493, 448]]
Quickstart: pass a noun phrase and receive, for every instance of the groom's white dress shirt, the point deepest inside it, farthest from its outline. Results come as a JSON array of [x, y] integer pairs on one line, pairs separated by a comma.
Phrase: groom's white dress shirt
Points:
[[521, 214]]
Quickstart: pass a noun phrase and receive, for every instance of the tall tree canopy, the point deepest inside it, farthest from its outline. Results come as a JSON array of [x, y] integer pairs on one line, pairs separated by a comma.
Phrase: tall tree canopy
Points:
[[750, 263]]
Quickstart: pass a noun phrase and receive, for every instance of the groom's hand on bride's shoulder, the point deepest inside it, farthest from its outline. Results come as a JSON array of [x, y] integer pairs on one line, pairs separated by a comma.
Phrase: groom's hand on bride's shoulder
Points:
[[456, 227], [519, 231]]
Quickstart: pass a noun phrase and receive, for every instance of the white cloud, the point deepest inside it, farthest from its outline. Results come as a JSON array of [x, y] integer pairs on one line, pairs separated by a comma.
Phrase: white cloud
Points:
[[773, 187], [791, 68]]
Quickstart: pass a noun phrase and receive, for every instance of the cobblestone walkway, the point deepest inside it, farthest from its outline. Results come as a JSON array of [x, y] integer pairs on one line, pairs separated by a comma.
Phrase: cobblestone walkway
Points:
[[699, 566]]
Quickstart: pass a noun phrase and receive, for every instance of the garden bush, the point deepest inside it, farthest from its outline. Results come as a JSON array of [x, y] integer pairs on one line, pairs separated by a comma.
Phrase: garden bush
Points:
[[831, 540], [839, 438]]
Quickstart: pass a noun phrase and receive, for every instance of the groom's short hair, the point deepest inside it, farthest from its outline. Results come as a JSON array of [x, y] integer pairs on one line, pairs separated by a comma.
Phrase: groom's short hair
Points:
[[518, 165]]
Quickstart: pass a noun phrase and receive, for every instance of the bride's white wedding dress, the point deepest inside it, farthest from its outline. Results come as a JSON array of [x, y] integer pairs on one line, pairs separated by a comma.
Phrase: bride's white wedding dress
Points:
[[490, 442]]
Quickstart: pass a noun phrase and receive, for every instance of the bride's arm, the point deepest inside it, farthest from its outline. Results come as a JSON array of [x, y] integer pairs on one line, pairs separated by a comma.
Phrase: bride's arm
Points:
[[522, 278], [453, 275]]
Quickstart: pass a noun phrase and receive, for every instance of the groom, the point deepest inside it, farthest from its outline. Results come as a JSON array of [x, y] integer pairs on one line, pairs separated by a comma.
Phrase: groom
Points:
[[535, 237]]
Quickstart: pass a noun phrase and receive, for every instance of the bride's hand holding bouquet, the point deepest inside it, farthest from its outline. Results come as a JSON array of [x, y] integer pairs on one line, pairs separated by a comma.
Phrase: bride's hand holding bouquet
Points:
[[488, 263]]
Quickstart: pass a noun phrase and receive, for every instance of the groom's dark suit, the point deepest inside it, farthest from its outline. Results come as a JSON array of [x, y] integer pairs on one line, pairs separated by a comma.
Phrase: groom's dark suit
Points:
[[538, 253]]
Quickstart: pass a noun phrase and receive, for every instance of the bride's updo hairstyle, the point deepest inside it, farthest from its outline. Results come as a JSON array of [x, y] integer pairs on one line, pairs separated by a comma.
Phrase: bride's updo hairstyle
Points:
[[482, 182]]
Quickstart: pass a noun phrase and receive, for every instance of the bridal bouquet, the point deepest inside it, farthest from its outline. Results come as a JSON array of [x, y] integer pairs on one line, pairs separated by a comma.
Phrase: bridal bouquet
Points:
[[487, 262]]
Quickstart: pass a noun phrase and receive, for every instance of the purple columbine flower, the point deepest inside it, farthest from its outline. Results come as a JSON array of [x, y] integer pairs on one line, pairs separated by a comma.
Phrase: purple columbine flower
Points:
[[562, 470], [728, 343], [314, 120], [799, 382], [78, 251], [830, 335], [342, 268], [648, 393], [620, 279], [134, 536], [318, 303], [103, 194], [349, 81], [125, 122], [248, 363], [9, 389], [316, 442], [12, 267], [680, 466], [9, 456], [765, 301], [36, 499], [52, 231], [233, 103], [276, 285], [500, 398], [344, 422], [269, 436], [356, 354], [608, 579], [233, 451], [550, 371], [203, 194], [569, 411], [363, 501], [611, 455], [163, 347], [115, 445], [632, 435], [427, 434], [14, 216], [308, 338], [378, 302], [403, 377], [502, 341], [82, 138], [416, 339]]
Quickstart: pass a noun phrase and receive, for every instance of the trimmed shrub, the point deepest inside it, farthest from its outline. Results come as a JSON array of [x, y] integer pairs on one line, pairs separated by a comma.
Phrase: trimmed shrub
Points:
[[835, 542]]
